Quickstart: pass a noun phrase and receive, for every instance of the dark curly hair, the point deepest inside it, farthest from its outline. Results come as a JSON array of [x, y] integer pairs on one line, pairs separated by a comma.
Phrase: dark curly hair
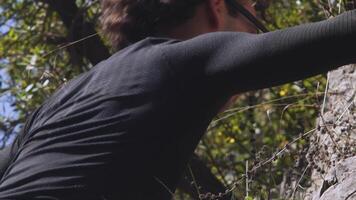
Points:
[[128, 21]]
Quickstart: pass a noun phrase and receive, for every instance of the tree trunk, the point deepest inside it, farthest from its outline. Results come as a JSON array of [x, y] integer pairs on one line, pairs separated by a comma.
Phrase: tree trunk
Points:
[[332, 153]]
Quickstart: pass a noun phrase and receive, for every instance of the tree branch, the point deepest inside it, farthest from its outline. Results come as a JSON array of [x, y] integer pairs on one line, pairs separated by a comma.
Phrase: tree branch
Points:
[[93, 48]]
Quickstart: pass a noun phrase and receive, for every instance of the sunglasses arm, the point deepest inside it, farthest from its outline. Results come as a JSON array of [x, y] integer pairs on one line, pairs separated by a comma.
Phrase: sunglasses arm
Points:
[[236, 6]]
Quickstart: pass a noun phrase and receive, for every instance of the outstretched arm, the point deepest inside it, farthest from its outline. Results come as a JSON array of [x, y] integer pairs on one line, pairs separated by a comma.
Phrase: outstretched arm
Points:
[[236, 62]]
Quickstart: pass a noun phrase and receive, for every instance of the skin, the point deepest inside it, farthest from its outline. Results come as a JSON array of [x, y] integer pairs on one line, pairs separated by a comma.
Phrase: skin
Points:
[[212, 16]]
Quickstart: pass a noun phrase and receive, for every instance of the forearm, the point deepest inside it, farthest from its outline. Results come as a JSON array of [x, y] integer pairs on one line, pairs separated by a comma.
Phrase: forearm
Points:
[[292, 54]]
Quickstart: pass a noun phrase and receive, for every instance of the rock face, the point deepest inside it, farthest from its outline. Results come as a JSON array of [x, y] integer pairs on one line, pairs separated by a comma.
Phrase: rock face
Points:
[[341, 181], [332, 153]]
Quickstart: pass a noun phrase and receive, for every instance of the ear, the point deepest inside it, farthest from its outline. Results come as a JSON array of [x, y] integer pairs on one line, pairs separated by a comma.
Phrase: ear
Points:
[[216, 10]]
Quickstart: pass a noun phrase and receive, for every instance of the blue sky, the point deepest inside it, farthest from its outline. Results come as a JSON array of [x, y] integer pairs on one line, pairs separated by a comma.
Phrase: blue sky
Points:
[[6, 110], [6, 99]]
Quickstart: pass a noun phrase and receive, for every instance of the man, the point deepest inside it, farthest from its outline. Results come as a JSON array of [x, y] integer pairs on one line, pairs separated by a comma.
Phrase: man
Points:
[[126, 128]]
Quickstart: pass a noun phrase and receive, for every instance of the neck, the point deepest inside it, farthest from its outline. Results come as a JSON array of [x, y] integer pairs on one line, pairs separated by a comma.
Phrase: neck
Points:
[[195, 26]]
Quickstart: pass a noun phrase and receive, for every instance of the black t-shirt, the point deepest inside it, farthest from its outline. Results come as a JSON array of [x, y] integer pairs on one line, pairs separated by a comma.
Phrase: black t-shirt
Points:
[[126, 128]]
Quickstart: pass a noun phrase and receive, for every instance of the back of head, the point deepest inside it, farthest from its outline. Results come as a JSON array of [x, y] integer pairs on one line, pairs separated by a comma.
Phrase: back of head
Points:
[[128, 21]]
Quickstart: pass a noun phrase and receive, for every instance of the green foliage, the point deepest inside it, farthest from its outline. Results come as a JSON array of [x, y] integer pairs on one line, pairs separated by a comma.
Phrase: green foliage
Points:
[[30, 44]]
